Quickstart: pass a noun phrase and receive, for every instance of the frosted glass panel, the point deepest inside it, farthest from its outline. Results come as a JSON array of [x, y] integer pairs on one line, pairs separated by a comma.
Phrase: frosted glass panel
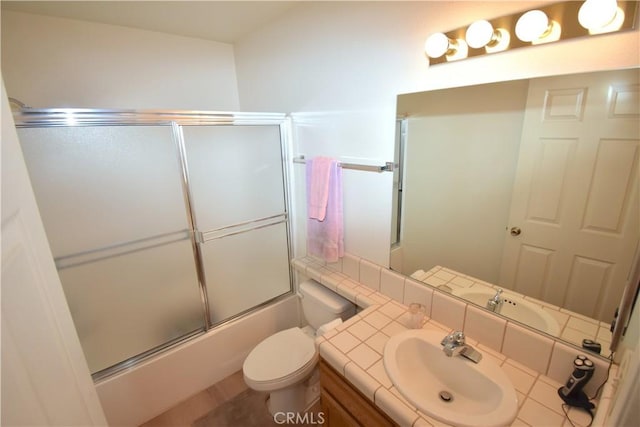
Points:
[[125, 305], [245, 270], [97, 186], [235, 173]]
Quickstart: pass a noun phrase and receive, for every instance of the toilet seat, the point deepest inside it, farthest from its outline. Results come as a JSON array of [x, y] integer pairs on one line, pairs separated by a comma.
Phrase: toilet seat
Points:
[[280, 360]]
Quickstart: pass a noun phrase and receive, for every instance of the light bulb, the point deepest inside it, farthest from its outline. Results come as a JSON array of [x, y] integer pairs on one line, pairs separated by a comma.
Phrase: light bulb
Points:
[[532, 25], [479, 34], [595, 14], [437, 44]]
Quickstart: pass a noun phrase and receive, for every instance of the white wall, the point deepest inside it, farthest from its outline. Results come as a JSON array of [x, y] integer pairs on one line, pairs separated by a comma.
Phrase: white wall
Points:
[[340, 65], [55, 62]]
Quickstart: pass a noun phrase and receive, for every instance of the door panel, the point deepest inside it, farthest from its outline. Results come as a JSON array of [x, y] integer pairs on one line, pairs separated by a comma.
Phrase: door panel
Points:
[[575, 195]]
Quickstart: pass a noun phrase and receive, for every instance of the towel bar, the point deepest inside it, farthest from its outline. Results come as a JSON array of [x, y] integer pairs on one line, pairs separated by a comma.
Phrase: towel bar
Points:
[[387, 167]]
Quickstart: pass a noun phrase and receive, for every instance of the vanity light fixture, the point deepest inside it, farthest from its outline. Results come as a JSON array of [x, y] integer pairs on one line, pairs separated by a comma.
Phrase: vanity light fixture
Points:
[[439, 45], [547, 24]]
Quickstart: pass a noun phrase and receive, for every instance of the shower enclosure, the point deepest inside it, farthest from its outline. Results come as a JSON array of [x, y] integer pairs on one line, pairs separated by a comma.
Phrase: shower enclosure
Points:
[[162, 224]]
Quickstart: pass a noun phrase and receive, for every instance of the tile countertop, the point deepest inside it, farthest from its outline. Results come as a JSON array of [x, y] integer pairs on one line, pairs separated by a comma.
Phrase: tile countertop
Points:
[[355, 350]]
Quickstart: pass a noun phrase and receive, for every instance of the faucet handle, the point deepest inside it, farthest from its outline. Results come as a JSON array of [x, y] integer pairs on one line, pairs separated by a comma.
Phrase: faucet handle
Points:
[[458, 337]]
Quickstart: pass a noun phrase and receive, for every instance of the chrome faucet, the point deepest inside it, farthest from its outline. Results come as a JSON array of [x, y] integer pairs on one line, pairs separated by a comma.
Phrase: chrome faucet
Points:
[[495, 303], [454, 345]]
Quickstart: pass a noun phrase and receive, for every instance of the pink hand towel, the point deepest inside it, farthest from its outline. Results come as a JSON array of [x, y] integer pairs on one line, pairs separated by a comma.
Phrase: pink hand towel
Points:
[[318, 187], [325, 237]]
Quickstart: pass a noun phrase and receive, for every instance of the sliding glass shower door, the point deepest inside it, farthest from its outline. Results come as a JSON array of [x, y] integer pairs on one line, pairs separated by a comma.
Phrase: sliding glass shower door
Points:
[[236, 178], [159, 230]]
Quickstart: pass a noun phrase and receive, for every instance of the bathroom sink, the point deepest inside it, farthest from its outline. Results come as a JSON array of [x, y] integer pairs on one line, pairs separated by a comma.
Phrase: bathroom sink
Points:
[[514, 307], [450, 389]]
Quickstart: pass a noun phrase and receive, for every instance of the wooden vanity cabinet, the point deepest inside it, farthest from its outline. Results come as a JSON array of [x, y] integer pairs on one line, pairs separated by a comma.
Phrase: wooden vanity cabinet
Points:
[[344, 406]]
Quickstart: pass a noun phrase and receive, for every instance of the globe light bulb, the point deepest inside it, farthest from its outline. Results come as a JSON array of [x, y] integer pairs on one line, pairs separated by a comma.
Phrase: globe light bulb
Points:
[[479, 34], [437, 44], [532, 25]]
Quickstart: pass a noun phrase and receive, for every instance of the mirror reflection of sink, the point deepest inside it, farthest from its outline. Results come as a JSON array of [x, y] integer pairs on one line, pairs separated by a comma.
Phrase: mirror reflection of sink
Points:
[[450, 389], [515, 307]]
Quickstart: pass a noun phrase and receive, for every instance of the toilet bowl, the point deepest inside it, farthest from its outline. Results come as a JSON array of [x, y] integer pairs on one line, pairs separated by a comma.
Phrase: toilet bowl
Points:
[[284, 364]]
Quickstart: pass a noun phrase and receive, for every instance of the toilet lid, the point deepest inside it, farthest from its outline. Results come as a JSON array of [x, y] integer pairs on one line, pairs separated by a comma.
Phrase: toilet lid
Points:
[[279, 355]]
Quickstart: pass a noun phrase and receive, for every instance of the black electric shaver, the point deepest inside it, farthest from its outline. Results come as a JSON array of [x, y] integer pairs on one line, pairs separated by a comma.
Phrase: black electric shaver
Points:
[[572, 393]]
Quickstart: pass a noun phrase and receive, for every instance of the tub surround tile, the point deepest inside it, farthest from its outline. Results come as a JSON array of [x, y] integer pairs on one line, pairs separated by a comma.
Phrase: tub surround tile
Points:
[[535, 364]]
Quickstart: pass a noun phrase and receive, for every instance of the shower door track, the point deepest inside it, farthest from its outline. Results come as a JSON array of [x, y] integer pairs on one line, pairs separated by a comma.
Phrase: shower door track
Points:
[[78, 117]]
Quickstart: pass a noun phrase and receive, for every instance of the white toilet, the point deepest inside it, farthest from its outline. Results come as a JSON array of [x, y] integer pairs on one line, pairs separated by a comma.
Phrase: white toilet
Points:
[[283, 363]]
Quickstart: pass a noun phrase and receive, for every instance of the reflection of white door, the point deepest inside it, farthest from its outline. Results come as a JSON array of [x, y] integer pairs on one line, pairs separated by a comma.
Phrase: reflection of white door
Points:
[[45, 378], [575, 195]]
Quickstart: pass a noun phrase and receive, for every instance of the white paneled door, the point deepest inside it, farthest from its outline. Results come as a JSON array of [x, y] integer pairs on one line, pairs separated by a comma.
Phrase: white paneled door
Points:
[[45, 378], [574, 221]]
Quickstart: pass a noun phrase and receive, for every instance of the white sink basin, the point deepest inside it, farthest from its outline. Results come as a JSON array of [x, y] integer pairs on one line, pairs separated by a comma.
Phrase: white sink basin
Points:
[[514, 307], [481, 393]]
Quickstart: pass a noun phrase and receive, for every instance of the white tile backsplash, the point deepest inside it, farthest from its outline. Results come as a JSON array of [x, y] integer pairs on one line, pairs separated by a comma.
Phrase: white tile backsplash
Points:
[[527, 347], [485, 327], [448, 311], [392, 285], [351, 266], [417, 292], [370, 274]]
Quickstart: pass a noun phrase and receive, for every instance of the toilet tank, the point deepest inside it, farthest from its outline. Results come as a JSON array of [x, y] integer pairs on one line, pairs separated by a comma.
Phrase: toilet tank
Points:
[[321, 305]]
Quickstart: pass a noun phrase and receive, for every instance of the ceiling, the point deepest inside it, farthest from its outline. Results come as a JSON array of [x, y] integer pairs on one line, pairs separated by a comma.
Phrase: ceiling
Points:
[[222, 21]]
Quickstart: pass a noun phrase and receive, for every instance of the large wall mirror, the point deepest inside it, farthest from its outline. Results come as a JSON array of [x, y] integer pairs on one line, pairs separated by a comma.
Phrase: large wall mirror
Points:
[[530, 186]]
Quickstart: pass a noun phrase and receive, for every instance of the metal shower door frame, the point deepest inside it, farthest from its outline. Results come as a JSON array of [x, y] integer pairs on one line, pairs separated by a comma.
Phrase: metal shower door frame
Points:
[[75, 117]]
